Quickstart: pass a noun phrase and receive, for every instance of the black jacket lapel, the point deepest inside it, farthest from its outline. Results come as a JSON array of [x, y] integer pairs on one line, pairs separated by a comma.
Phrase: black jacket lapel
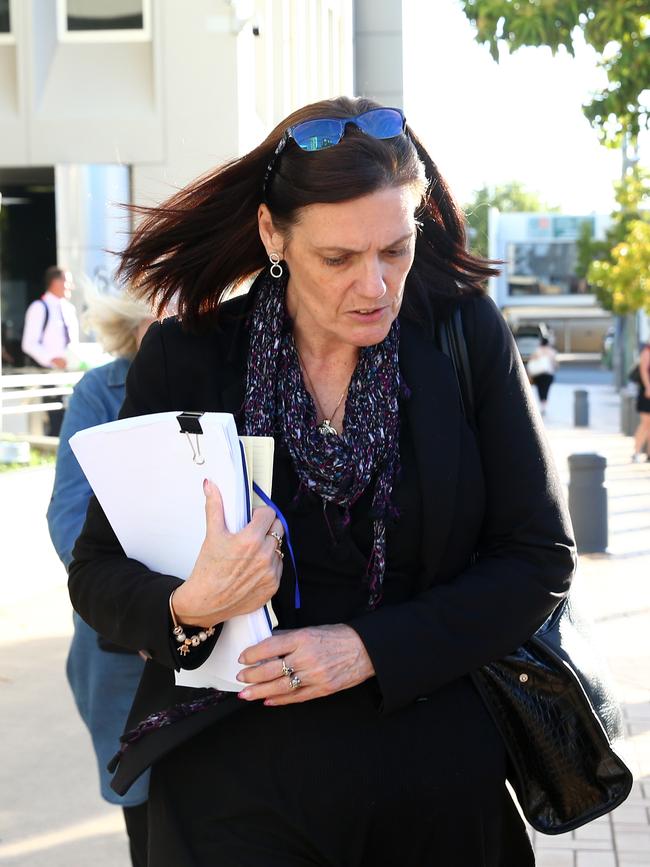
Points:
[[435, 419]]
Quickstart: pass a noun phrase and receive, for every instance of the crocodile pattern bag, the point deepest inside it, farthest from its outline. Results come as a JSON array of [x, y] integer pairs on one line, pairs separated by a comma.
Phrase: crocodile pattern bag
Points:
[[560, 724]]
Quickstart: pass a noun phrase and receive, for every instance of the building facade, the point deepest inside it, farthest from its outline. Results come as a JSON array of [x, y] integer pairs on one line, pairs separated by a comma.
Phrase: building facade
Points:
[[104, 102], [539, 283]]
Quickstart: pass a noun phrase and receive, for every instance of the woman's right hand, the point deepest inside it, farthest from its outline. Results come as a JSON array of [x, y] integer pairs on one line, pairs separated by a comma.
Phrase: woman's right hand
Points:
[[235, 573]]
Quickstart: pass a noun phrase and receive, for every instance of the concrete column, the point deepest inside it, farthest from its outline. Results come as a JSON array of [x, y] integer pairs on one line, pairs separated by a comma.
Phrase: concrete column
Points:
[[378, 69], [89, 220]]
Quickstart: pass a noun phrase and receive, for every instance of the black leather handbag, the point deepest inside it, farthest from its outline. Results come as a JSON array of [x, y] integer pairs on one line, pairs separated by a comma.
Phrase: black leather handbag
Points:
[[550, 698]]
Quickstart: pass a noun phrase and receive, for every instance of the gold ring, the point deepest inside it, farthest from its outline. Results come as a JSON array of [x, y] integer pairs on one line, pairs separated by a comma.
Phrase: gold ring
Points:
[[286, 669], [277, 537], [279, 552]]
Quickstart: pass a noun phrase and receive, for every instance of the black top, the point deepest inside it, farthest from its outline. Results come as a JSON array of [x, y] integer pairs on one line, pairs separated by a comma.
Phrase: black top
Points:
[[332, 555]]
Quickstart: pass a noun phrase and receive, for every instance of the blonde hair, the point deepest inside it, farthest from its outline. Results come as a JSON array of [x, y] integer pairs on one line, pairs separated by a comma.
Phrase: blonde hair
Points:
[[115, 318]]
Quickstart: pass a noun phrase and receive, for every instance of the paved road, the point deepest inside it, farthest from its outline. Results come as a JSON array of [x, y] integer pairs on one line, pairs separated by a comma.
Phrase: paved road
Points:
[[582, 375]]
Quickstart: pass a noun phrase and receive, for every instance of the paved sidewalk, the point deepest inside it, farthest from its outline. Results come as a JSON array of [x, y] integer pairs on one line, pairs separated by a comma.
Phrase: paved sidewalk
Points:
[[54, 815], [615, 587]]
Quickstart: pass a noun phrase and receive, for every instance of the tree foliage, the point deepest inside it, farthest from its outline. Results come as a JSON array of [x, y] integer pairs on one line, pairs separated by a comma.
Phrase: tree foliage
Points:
[[619, 31], [509, 197], [618, 268], [625, 277]]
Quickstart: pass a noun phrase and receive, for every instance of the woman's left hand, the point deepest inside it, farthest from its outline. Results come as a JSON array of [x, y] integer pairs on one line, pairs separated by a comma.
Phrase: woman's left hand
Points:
[[327, 659]]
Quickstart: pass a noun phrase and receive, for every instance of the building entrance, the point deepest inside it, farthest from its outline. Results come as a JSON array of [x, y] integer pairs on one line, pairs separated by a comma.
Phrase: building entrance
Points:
[[27, 248]]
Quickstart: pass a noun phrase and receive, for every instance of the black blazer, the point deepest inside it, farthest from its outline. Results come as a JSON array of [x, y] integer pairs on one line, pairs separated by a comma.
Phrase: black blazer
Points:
[[496, 550]]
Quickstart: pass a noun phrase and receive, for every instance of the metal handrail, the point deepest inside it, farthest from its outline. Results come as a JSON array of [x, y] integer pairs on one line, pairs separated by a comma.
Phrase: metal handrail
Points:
[[29, 386], [29, 380], [31, 393]]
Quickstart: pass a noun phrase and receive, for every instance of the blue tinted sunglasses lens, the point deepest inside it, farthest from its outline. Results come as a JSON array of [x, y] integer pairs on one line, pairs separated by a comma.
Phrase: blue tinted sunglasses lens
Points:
[[381, 122], [315, 135]]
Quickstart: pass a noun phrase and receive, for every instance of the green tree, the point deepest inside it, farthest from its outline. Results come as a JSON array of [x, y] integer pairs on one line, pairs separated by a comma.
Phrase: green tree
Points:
[[509, 197], [619, 31], [619, 267]]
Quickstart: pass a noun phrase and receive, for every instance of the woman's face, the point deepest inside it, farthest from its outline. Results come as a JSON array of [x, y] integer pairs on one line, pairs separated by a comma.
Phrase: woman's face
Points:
[[347, 263]]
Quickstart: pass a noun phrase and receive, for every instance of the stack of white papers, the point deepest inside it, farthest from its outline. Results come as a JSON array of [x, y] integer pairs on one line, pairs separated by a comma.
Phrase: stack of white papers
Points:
[[148, 477]]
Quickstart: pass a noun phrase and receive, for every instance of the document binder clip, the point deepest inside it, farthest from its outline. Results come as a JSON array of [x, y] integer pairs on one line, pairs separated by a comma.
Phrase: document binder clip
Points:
[[190, 426]]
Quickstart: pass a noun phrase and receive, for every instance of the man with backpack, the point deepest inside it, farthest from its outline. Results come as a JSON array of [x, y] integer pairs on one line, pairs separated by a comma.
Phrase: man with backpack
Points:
[[50, 325], [51, 321]]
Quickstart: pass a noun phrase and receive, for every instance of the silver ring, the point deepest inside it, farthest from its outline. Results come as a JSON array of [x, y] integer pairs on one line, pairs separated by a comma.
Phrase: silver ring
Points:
[[286, 669], [294, 682]]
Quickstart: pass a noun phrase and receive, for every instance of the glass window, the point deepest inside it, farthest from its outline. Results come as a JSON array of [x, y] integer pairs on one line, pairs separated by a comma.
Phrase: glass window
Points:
[[5, 23], [94, 15], [544, 268]]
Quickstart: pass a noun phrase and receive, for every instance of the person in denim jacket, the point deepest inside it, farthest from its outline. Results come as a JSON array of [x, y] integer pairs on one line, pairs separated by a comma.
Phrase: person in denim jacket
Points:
[[103, 676]]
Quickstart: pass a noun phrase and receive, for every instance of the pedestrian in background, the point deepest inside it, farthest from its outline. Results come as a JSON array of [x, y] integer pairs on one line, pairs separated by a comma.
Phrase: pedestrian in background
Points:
[[541, 368], [50, 325], [642, 434], [103, 676]]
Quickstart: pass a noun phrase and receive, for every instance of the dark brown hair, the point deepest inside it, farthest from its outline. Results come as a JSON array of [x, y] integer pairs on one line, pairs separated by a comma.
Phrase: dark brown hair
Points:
[[51, 274], [204, 240]]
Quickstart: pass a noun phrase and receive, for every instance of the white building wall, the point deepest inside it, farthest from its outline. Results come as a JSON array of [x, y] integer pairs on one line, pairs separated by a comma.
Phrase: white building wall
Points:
[[207, 81]]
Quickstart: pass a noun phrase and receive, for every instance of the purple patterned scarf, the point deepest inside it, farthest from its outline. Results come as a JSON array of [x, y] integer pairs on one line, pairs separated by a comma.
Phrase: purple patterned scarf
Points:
[[336, 468]]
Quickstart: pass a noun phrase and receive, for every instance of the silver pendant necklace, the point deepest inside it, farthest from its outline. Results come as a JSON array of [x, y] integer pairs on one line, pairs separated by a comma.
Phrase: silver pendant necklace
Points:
[[325, 428]]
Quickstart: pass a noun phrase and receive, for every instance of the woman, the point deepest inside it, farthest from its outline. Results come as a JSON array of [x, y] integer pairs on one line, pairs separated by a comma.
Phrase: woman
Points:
[[424, 549], [642, 434], [103, 676], [541, 366]]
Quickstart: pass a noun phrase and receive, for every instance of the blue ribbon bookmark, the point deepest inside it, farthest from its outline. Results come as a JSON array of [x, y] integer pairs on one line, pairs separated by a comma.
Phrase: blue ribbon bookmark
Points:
[[269, 502]]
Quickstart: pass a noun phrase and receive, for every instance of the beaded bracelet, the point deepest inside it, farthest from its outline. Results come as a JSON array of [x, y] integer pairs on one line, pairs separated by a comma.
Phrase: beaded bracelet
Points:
[[186, 644]]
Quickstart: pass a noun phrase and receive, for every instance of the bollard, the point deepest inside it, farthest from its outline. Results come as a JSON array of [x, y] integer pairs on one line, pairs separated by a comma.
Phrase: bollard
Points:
[[624, 414], [588, 502], [633, 416], [581, 408], [629, 415]]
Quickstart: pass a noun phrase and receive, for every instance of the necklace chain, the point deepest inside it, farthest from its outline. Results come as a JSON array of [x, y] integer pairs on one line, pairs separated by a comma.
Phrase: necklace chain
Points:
[[325, 427]]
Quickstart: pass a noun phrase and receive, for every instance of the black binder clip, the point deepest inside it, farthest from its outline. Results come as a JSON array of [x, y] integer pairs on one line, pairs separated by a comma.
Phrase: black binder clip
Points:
[[191, 426]]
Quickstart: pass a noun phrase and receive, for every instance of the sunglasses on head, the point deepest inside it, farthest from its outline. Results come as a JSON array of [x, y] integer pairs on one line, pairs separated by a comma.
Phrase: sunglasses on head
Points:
[[325, 132]]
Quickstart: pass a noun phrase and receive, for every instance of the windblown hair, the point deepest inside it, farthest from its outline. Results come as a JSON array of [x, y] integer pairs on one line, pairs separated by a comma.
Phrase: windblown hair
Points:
[[115, 319], [204, 240]]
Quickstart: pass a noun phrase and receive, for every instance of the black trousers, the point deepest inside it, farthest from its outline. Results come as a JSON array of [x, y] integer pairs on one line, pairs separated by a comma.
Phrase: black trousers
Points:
[[543, 383], [334, 783], [135, 819]]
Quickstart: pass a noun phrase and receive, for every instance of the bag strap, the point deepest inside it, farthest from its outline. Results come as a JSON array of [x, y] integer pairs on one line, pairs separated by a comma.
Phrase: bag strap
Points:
[[452, 341], [45, 320]]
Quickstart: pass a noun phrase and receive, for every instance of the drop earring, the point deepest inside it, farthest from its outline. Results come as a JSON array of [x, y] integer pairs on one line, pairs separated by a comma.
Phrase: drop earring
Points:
[[276, 269]]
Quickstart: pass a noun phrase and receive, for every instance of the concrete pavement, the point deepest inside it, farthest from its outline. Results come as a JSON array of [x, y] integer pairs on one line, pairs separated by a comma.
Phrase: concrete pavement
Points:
[[50, 810], [615, 588]]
